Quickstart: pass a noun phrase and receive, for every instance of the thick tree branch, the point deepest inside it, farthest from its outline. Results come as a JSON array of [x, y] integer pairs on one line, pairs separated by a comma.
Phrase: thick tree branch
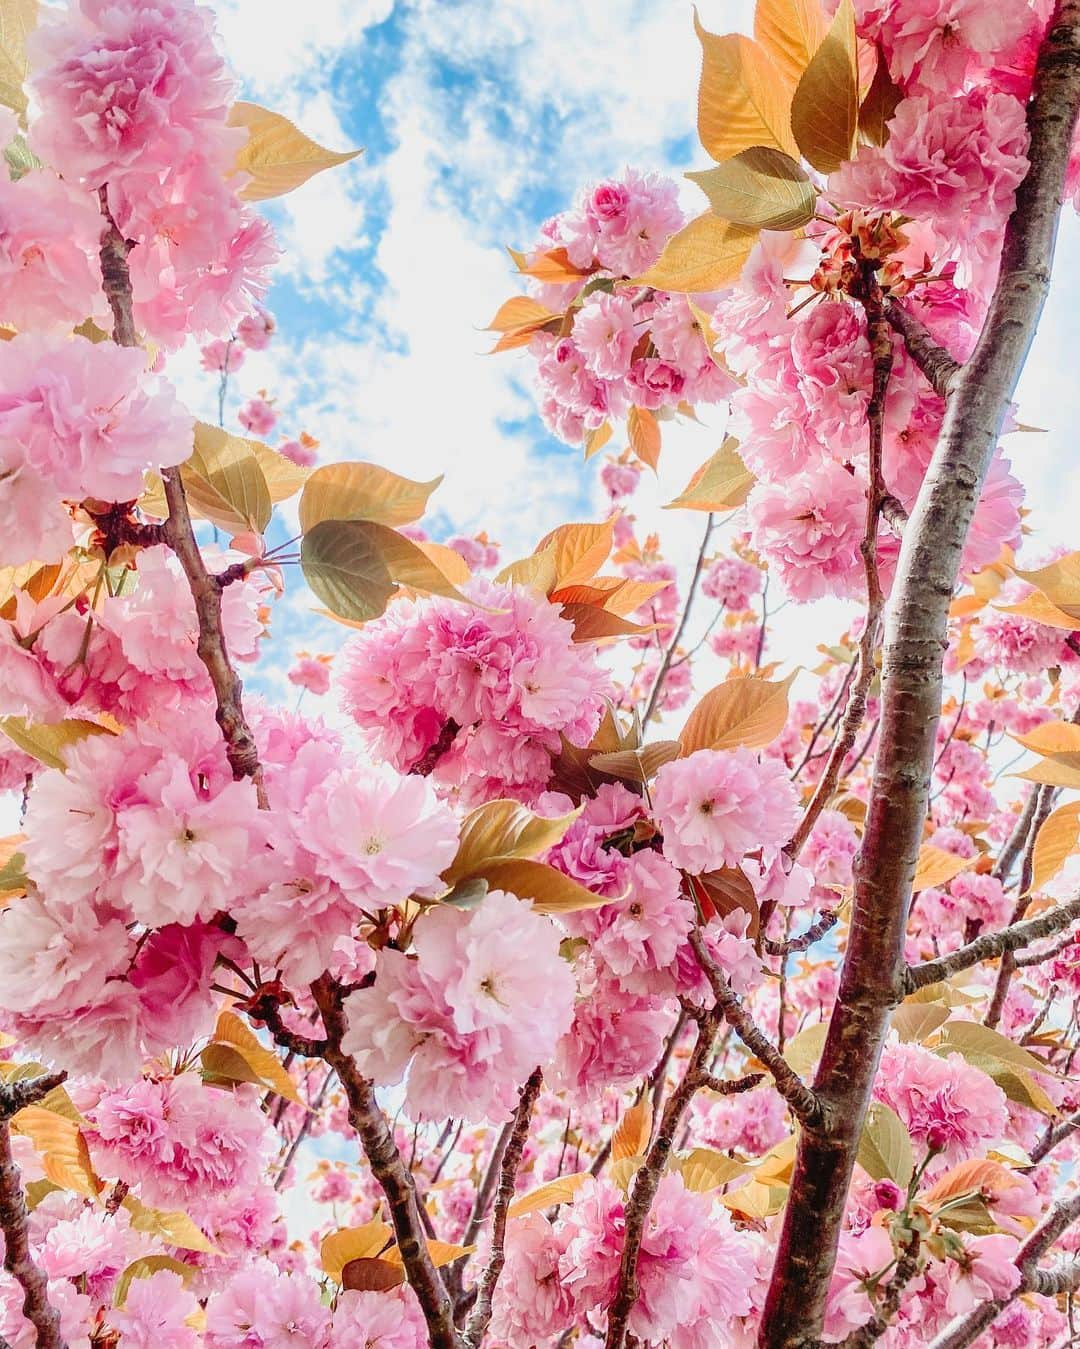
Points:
[[18, 1260], [480, 1317], [916, 635], [388, 1168], [803, 1103], [991, 945], [941, 371]]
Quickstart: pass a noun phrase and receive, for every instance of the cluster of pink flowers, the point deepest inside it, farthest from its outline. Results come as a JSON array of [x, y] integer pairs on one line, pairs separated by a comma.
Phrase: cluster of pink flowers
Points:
[[132, 99], [631, 347], [77, 419], [477, 696], [479, 1005]]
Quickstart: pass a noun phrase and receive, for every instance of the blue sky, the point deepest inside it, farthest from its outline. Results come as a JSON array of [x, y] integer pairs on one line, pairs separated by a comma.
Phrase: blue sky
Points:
[[479, 120]]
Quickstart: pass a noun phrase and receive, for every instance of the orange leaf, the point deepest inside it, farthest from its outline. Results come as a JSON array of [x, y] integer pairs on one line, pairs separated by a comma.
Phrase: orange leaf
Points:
[[790, 31], [742, 711], [742, 99], [644, 432], [708, 254], [579, 550], [632, 1136]]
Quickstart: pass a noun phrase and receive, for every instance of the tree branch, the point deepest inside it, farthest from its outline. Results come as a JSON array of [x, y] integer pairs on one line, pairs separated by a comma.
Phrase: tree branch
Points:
[[991, 945], [18, 1260], [970, 1325], [941, 371], [481, 1313], [871, 981], [676, 638], [803, 1103], [388, 1168]]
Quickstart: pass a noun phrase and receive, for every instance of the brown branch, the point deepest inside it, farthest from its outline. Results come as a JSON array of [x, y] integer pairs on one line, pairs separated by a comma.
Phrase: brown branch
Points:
[[803, 942], [991, 945], [480, 1316], [802, 1102], [871, 982], [303, 1130], [970, 1325], [894, 515], [18, 1259], [388, 1168], [647, 1180], [941, 371], [1017, 838], [1054, 1135], [676, 638], [734, 1086]]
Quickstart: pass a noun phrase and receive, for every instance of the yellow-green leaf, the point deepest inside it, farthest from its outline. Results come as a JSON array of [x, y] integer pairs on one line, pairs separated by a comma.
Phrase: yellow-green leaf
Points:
[[13, 878], [756, 1200], [539, 572], [231, 1033], [1055, 843], [59, 1141], [46, 742], [981, 1045], [18, 19], [1059, 581], [549, 890], [353, 1243], [916, 1022], [742, 711], [825, 108], [803, 1050], [722, 483], [705, 1169], [225, 483], [283, 478], [145, 1268], [742, 99], [343, 565], [760, 188], [503, 829], [278, 156], [937, 867], [708, 254], [356, 491], [881, 101], [559, 1191], [885, 1151], [171, 1225], [790, 31]]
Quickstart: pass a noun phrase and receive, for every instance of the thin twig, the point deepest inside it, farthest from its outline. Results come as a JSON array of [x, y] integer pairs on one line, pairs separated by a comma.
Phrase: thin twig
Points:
[[672, 646]]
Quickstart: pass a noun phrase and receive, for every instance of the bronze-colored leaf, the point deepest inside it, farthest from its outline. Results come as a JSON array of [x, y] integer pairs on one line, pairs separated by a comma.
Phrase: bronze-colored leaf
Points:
[[790, 31], [742, 99], [637, 765], [1055, 843], [742, 711], [708, 254], [825, 109], [503, 829], [881, 101], [761, 188], [278, 156], [643, 431], [358, 491], [634, 1130], [722, 483]]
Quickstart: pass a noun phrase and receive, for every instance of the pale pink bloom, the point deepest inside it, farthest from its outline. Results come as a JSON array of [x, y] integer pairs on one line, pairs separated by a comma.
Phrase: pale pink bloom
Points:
[[751, 1122], [34, 525], [715, 806], [480, 553], [257, 416], [733, 583], [92, 1248], [311, 673], [265, 1309], [177, 1136], [621, 480], [99, 1036], [938, 45], [615, 1037], [810, 527], [943, 1102], [653, 383], [988, 1270], [55, 955], [256, 329], [155, 1313], [633, 218], [862, 1257], [830, 850], [390, 1320], [127, 84], [955, 162], [484, 1001], [26, 686], [997, 522], [49, 239], [531, 1300], [85, 417], [297, 452], [606, 335], [220, 357]]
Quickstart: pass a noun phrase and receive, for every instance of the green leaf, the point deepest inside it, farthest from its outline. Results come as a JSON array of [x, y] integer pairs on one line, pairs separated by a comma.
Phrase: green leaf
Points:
[[825, 108], [760, 188], [46, 742], [19, 159], [356, 491], [225, 483], [171, 1225], [13, 877], [342, 564], [146, 1268], [975, 1041], [885, 1151]]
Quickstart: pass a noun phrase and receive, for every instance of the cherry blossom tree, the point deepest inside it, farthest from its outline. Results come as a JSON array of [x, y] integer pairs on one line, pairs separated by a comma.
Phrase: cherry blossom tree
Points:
[[592, 977]]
